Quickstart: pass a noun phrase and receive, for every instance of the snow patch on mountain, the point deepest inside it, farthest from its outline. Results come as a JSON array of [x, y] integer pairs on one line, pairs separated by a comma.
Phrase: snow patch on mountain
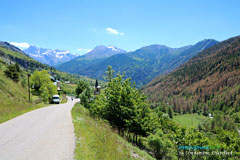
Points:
[[50, 57]]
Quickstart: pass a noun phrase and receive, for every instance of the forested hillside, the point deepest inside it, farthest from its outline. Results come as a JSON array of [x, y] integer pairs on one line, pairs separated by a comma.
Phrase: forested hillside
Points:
[[209, 81]]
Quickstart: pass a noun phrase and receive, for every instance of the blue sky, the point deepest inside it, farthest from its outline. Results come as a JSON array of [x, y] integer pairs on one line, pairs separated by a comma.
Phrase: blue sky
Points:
[[79, 25]]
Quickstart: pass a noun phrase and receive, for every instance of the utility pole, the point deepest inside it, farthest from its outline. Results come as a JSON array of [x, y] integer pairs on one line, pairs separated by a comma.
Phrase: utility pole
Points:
[[28, 88]]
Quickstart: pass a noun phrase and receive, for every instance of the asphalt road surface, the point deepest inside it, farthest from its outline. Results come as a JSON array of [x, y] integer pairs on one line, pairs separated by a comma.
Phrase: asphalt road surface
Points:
[[43, 134]]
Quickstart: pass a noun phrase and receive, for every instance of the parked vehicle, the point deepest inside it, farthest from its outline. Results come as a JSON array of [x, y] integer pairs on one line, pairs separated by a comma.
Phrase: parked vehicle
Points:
[[55, 99]]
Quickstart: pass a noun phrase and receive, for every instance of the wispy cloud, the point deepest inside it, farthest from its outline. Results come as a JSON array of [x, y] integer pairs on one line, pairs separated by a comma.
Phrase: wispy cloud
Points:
[[114, 31], [22, 45]]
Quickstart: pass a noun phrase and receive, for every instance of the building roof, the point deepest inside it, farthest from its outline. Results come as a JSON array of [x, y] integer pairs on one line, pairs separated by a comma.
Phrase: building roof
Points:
[[52, 78]]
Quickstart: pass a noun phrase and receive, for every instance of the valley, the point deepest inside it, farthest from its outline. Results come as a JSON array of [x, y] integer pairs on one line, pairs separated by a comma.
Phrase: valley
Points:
[[191, 90], [120, 80]]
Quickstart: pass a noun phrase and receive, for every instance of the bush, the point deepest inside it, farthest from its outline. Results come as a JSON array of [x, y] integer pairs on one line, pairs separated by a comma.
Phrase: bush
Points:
[[123, 106], [81, 87], [86, 97], [236, 117], [160, 145], [13, 72]]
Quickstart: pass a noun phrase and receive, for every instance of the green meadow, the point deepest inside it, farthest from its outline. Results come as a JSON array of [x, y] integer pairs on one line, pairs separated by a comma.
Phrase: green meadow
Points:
[[190, 120]]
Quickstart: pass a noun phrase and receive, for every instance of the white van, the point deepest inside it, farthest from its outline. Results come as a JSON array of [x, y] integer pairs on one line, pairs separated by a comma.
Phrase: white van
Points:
[[55, 99]]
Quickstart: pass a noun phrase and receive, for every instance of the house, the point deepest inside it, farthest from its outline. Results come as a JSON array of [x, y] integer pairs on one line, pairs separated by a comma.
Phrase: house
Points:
[[67, 82], [210, 115], [56, 83], [52, 79]]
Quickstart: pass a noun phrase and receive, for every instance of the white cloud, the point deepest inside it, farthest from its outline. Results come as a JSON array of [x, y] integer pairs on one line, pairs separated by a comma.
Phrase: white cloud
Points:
[[22, 45], [114, 31]]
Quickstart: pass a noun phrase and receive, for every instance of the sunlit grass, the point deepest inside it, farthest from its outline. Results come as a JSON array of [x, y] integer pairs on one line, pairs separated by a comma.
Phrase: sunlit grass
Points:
[[95, 140], [190, 120], [14, 99]]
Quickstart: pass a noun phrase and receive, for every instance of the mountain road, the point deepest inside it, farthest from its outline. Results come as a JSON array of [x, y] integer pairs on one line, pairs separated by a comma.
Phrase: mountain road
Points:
[[43, 134]]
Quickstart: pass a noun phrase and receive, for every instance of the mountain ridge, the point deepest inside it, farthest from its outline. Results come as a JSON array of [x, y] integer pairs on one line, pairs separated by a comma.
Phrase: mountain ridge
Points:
[[95, 56], [7, 45], [142, 65]]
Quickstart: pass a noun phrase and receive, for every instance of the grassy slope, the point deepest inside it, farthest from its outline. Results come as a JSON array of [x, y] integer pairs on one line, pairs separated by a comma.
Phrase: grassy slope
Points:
[[13, 99], [13, 96], [190, 120], [96, 140], [15, 54]]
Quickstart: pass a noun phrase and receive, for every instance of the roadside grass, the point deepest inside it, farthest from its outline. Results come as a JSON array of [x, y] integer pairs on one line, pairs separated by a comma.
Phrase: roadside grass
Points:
[[14, 99], [190, 120], [16, 110], [96, 140]]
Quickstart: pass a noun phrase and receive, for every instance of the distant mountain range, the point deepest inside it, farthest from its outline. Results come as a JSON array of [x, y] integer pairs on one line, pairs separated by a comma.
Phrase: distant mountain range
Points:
[[10, 54], [81, 63], [141, 65], [50, 57]]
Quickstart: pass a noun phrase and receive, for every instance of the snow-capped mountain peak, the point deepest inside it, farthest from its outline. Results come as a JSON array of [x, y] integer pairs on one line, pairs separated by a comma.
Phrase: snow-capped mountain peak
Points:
[[50, 57], [113, 48], [102, 51]]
